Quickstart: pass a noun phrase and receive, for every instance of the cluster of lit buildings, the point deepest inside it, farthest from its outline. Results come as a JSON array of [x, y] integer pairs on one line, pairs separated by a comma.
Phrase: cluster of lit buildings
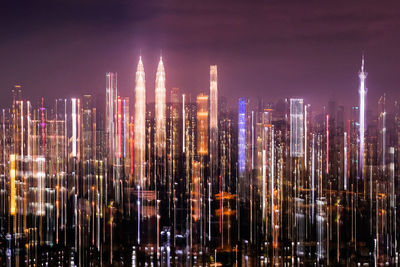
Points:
[[189, 180]]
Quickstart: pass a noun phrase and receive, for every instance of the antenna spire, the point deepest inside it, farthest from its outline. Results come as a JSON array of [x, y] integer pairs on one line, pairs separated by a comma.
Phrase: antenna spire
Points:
[[362, 62]]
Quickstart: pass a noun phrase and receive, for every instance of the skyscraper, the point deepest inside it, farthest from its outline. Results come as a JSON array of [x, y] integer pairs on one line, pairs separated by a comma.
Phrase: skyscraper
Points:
[[202, 125], [242, 136], [160, 118], [111, 93], [296, 127], [139, 125], [214, 127], [362, 75]]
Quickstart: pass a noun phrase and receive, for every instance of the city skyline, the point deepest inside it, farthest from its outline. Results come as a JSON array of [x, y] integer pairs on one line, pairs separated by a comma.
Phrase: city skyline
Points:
[[211, 133], [306, 49], [191, 180]]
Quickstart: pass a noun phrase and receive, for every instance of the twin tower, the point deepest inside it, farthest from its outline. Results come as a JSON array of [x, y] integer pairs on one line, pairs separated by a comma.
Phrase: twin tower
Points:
[[160, 118]]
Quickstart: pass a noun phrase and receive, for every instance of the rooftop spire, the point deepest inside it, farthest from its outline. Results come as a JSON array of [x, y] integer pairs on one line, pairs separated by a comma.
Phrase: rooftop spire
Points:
[[160, 68], [362, 63]]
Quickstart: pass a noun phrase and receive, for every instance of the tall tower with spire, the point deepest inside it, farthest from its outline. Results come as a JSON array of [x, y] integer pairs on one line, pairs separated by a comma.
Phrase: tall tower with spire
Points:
[[362, 91], [160, 118], [140, 125]]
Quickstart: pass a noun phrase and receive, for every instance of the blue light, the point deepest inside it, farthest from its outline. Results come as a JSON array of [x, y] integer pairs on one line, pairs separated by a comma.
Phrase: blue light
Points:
[[242, 135]]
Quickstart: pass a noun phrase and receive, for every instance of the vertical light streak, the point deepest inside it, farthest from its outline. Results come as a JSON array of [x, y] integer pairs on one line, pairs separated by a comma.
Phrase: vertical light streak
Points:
[[272, 181], [73, 127], [264, 184], [209, 211], [348, 148], [313, 176], [252, 140], [111, 91], [160, 111], [125, 126], [28, 109], [305, 137], [138, 204], [140, 124], [202, 124], [362, 75], [119, 132], [43, 126], [183, 123], [213, 106], [392, 177], [296, 127], [78, 129], [384, 140], [132, 140], [12, 185], [40, 176], [242, 136], [214, 126], [22, 128], [327, 144], [345, 161], [213, 97]]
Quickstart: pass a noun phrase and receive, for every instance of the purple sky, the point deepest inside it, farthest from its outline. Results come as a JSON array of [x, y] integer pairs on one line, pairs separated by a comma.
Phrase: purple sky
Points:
[[269, 49]]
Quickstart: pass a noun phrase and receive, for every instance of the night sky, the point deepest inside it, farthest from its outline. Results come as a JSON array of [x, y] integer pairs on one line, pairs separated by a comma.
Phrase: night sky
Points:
[[269, 49]]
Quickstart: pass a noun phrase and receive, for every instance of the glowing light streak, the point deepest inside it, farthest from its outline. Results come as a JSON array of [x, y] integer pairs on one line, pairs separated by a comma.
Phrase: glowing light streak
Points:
[[252, 140], [362, 75], [242, 135], [264, 182], [22, 128], [43, 125], [202, 124], [28, 108], [214, 125], [119, 132], [392, 178], [305, 137], [313, 176], [73, 127], [345, 161], [213, 97], [384, 140], [272, 178], [160, 110], [183, 123], [140, 124], [327, 144], [132, 143], [348, 149], [40, 176], [296, 127], [12, 185], [138, 204], [111, 93], [125, 134]]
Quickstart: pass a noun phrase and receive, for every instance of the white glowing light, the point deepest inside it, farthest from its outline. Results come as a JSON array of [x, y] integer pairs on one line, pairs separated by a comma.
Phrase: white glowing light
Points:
[[213, 97], [213, 124], [73, 127], [183, 122], [296, 127], [362, 75], [139, 125], [40, 176], [160, 111]]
